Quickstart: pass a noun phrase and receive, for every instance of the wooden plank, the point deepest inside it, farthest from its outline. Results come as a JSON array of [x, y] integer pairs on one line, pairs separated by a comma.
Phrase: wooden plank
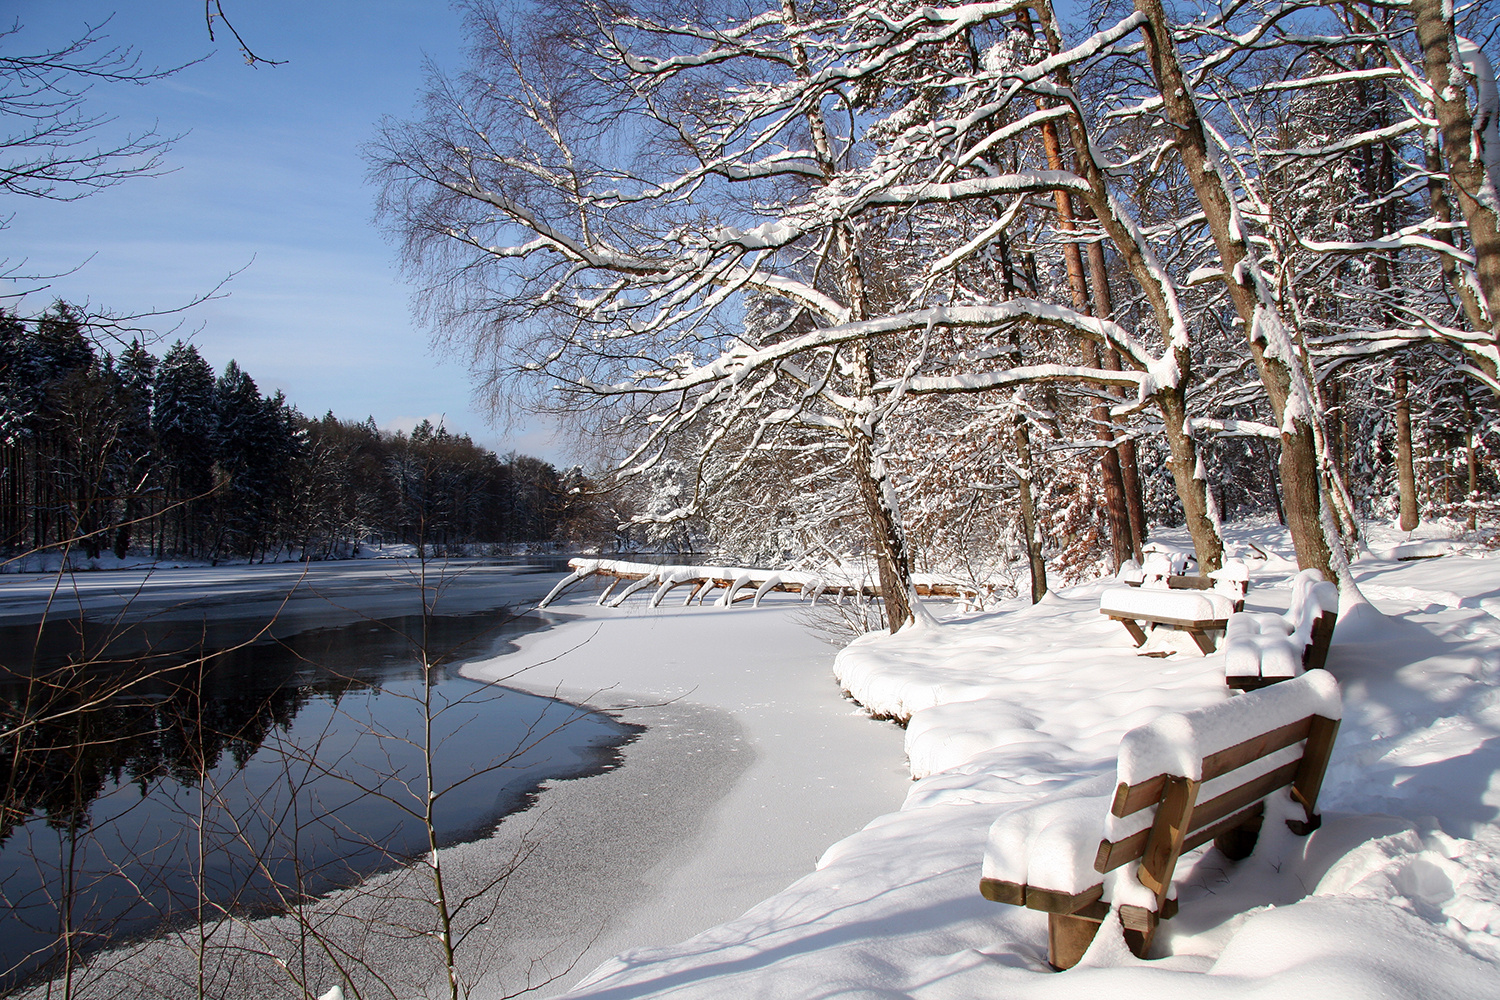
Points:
[[1052, 901], [1252, 682], [1139, 925], [1216, 808], [1068, 937], [1133, 798], [1113, 854], [1168, 830], [1316, 654], [1137, 918], [1253, 749], [1203, 624], [1309, 780], [1212, 831], [999, 891]]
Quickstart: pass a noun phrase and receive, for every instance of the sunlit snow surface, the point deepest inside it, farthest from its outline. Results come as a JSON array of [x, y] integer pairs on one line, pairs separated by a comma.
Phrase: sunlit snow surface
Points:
[[1398, 895]]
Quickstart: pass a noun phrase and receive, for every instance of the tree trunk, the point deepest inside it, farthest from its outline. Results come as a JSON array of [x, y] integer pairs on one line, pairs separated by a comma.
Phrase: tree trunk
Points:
[[1034, 554], [1273, 343], [1110, 478], [1124, 452], [1472, 497], [1406, 477], [878, 499], [1184, 464], [1466, 167], [1163, 299]]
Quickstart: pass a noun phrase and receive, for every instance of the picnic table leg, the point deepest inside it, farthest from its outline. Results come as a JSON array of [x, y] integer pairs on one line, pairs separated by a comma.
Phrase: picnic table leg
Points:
[[1134, 629], [1068, 937], [1206, 642]]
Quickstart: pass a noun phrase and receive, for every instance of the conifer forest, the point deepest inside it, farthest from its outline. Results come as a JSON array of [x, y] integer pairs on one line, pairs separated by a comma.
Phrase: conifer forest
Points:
[[131, 453]]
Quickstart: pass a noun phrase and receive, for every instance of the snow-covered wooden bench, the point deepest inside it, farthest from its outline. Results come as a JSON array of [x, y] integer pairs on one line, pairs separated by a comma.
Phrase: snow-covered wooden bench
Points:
[[1197, 605], [1263, 648], [1182, 781]]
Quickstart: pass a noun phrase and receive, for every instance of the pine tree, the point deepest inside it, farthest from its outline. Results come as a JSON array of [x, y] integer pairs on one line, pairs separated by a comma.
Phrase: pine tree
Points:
[[183, 419]]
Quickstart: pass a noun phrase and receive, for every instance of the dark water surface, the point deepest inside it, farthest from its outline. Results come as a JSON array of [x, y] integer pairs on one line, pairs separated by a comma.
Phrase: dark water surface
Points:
[[183, 775]]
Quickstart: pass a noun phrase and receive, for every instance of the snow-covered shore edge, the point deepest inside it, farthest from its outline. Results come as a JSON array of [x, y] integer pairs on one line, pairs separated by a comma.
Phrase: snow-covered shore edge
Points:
[[1397, 895]]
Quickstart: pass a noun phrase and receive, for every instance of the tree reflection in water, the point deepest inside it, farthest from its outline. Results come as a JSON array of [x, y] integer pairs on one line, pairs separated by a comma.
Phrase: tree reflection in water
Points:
[[146, 784]]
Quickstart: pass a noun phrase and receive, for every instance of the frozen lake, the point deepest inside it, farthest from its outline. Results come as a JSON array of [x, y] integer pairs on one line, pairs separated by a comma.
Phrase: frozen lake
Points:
[[241, 737]]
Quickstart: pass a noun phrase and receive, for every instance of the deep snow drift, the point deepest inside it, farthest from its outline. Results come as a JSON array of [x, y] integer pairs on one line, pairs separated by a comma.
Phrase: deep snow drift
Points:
[[1397, 895]]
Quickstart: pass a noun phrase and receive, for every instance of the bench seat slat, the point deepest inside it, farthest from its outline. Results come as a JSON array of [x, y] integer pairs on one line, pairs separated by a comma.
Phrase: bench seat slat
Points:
[[998, 890], [1089, 903]]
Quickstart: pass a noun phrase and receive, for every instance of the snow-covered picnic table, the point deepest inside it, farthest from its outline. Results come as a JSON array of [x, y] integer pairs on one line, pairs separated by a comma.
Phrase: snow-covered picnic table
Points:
[[1155, 595]]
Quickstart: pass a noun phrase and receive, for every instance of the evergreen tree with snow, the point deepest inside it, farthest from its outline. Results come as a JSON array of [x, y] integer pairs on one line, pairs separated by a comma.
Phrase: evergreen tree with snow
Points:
[[183, 419]]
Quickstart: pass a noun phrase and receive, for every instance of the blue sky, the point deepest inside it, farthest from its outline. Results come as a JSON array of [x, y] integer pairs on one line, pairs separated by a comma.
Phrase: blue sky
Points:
[[269, 174]]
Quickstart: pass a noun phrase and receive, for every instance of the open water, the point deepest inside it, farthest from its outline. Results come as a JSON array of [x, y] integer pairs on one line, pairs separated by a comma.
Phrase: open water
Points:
[[159, 771]]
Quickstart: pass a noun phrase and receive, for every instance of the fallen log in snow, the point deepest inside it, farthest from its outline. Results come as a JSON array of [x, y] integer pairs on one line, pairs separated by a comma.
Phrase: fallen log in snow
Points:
[[737, 583]]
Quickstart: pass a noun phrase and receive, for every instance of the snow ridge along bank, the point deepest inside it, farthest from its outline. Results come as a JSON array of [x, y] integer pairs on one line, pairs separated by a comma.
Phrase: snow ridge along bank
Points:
[[1396, 896]]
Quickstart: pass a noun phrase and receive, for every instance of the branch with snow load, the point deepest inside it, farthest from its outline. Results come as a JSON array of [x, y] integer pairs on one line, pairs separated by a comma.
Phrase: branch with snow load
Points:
[[738, 363], [739, 583]]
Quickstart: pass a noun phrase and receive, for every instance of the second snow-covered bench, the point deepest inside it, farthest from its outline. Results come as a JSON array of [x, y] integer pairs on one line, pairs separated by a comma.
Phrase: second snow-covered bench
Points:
[[1182, 781], [1263, 648]]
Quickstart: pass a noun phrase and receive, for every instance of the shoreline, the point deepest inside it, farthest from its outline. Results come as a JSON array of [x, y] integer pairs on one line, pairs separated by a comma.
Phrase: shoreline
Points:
[[770, 676], [646, 853]]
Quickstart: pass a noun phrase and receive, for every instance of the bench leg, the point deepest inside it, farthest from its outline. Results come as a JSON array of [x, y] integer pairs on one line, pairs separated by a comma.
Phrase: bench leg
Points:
[[1237, 842], [1140, 928], [1068, 937]]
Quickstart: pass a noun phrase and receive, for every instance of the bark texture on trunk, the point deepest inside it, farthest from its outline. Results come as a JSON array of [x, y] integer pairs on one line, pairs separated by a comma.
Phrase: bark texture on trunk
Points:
[[1162, 297], [886, 532], [1406, 474], [1466, 169], [1110, 477], [1034, 554], [1271, 339]]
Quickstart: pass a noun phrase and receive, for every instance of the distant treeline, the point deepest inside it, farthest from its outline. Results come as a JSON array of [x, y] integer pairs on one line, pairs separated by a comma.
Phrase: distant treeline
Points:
[[129, 452]]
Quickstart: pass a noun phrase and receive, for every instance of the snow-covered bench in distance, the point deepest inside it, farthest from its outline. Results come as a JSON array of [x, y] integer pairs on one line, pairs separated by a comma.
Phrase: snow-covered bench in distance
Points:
[[1182, 780], [1263, 648], [1197, 605]]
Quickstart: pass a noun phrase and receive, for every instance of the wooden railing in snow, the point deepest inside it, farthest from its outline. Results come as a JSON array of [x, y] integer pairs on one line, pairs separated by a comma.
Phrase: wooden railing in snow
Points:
[[737, 583]]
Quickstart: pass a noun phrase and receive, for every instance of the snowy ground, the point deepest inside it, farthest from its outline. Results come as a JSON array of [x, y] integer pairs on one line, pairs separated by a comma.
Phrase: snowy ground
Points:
[[1397, 895], [811, 766]]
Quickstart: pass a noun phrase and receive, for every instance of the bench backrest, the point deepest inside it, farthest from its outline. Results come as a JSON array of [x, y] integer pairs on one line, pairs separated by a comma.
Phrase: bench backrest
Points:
[[1208, 772], [1312, 597]]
